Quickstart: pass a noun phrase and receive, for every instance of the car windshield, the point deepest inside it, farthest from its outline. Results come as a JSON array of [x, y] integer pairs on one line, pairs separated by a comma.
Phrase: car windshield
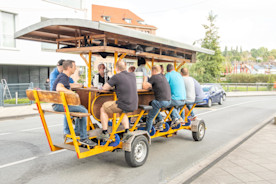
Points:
[[206, 88]]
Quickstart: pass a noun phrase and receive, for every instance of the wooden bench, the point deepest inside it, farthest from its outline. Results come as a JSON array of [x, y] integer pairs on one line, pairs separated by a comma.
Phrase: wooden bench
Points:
[[65, 99], [55, 97], [73, 114]]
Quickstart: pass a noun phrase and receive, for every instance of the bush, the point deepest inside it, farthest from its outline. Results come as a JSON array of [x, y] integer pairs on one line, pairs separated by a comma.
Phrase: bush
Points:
[[249, 78], [19, 101]]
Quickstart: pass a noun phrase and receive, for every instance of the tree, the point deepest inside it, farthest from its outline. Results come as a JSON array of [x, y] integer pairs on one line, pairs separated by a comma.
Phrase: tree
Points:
[[263, 52], [210, 66], [273, 53]]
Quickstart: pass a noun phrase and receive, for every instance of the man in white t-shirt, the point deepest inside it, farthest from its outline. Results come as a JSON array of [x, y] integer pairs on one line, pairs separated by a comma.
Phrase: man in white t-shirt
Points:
[[190, 91]]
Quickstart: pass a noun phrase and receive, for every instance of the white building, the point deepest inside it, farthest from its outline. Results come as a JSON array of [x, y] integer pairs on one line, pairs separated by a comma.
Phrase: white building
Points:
[[27, 61]]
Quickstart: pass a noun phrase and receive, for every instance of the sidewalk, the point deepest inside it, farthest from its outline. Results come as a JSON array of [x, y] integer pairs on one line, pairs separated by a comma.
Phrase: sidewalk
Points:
[[252, 162], [20, 111]]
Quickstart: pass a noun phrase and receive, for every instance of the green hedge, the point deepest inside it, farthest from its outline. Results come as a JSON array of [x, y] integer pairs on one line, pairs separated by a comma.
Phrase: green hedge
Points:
[[249, 78], [19, 101]]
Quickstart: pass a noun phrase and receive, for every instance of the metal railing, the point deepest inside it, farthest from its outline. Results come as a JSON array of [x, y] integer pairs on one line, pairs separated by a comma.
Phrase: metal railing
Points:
[[17, 94]]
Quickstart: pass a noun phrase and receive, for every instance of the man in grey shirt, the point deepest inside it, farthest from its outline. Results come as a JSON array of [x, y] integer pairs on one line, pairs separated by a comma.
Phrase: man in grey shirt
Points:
[[190, 91]]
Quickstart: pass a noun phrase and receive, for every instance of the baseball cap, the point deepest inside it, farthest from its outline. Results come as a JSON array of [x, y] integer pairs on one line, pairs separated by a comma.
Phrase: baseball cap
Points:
[[60, 62]]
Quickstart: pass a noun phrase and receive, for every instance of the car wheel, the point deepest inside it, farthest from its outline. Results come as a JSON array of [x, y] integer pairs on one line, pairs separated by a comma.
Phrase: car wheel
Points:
[[224, 97], [209, 103], [220, 101]]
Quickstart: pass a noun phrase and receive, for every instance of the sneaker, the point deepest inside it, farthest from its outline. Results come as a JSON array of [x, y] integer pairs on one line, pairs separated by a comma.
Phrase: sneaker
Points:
[[175, 122], [88, 142], [159, 125], [103, 137], [126, 136]]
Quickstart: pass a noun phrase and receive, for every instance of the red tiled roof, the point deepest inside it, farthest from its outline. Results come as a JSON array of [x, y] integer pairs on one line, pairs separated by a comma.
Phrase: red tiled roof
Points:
[[117, 16]]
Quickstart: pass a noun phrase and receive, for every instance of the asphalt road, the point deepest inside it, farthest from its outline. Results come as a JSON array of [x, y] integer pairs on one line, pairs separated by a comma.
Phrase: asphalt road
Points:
[[25, 156]]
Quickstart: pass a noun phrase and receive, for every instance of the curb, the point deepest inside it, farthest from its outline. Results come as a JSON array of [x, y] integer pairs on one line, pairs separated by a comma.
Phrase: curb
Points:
[[18, 116], [195, 171]]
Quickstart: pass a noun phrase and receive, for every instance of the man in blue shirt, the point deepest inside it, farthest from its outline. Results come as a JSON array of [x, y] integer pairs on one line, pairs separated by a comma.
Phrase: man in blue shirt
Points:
[[62, 84], [178, 92], [58, 70]]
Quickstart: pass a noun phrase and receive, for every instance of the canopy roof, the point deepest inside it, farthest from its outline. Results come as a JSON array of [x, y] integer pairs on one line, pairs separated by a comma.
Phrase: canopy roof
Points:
[[76, 33]]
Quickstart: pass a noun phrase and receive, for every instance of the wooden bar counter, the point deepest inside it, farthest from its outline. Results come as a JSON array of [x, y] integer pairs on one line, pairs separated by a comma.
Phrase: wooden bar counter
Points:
[[98, 97]]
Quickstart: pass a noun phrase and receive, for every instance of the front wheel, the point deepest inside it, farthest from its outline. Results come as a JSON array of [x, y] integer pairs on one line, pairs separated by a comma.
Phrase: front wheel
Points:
[[209, 103], [198, 136], [139, 152]]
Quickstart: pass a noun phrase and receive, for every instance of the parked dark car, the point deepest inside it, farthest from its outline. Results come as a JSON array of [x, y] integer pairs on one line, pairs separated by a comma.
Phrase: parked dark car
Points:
[[213, 94]]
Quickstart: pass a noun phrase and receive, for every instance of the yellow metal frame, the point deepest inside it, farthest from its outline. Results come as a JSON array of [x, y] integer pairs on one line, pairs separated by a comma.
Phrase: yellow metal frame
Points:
[[115, 125]]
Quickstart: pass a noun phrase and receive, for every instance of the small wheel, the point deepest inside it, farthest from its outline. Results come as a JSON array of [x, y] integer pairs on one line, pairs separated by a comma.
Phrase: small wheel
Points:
[[209, 103], [198, 136], [139, 152], [220, 101], [224, 97]]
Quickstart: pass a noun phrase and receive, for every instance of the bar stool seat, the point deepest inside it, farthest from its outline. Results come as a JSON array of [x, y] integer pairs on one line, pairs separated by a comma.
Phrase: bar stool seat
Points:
[[145, 107]]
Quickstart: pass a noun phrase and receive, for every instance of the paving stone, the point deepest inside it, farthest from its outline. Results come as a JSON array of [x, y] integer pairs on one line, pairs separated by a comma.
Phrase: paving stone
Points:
[[271, 167], [235, 170], [227, 179], [205, 180], [255, 168], [247, 177], [258, 182], [272, 181], [267, 175]]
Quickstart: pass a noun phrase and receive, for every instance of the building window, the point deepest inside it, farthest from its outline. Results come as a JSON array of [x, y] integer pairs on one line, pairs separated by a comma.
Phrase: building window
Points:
[[7, 29], [127, 20], [106, 18], [141, 22], [77, 4]]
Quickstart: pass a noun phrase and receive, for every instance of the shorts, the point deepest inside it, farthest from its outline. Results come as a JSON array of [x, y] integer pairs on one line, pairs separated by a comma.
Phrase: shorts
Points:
[[111, 107]]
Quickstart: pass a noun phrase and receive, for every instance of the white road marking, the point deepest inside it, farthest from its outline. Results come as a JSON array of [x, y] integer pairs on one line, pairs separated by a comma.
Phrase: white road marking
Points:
[[55, 152], [17, 162], [5, 133], [39, 128]]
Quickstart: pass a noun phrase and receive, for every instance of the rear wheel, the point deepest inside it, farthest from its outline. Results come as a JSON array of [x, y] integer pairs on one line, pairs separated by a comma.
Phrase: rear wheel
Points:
[[198, 136], [139, 152], [209, 103]]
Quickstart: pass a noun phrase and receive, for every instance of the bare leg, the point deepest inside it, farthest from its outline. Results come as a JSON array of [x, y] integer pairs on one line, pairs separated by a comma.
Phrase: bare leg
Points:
[[125, 122], [104, 119]]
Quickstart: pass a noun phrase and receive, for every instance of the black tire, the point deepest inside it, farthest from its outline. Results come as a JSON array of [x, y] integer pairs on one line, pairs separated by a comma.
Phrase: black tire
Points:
[[139, 152], [209, 104], [198, 136], [224, 97], [220, 101]]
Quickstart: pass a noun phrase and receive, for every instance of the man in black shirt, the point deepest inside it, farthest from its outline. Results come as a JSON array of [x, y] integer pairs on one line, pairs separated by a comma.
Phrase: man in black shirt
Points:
[[62, 84], [126, 91], [162, 93]]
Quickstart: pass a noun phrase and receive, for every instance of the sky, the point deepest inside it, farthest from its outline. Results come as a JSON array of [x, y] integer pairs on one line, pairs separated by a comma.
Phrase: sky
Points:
[[243, 23]]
